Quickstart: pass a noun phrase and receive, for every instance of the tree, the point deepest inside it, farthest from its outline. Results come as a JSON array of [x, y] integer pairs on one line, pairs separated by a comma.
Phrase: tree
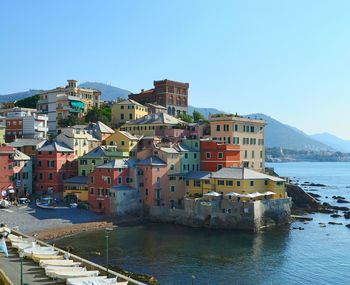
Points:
[[197, 116], [29, 102], [186, 118], [71, 120], [96, 114]]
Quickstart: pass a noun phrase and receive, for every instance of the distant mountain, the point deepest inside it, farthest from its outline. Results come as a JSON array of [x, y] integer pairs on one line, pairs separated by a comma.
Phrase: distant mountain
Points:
[[204, 111], [282, 135], [19, 95], [333, 141], [109, 92]]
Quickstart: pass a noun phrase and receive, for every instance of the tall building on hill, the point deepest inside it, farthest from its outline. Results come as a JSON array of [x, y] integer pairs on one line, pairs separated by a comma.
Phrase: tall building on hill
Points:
[[61, 102], [248, 134], [171, 94]]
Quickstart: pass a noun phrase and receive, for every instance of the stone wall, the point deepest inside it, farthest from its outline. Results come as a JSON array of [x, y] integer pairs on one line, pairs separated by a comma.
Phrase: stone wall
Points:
[[226, 214]]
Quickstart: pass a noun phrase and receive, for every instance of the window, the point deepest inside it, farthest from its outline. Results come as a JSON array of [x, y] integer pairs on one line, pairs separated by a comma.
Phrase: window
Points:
[[218, 128], [245, 154], [172, 188], [40, 176], [238, 183], [197, 183], [10, 166], [122, 116], [195, 156], [146, 192], [252, 129], [236, 128], [229, 183], [186, 155], [172, 167], [91, 179], [50, 176], [220, 155], [251, 183], [221, 182], [108, 180], [91, 190], [122, 143], [261, 154], [120, 180], [253, 154], [266, 182], [219, 166], [208, 155], [130, 116]]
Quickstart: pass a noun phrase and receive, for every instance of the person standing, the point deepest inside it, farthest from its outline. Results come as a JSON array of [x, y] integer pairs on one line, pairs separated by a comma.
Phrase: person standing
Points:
[[4, 232]]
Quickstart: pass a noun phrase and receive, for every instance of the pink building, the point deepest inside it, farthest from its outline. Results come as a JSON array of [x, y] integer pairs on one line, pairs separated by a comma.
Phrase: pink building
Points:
[[54, 163], [102, 179], [154, 180], [6, 168]]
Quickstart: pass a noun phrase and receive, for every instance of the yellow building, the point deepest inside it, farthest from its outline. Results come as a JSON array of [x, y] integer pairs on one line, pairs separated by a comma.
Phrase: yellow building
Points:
[[76, 186], [248, 133], [2, 134], [127, 110], [123, 141], [236, 181]]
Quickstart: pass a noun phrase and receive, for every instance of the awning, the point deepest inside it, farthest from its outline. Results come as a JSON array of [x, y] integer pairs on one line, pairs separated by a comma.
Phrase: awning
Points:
[[77, 104], [212, 194]]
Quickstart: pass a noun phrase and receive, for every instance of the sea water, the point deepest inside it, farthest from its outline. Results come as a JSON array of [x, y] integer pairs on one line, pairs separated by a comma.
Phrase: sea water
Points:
[[173, 254]]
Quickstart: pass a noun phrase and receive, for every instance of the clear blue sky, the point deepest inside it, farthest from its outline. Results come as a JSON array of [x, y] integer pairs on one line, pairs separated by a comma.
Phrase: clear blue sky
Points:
[[287, 59]]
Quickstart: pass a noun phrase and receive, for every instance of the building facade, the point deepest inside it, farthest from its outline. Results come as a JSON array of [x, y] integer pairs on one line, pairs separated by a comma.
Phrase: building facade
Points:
[[23, 123], [172, 95], [61, 102], [127, 110], [22, 174], [6, 168], [54, 163], [247, 133], [215, 156]]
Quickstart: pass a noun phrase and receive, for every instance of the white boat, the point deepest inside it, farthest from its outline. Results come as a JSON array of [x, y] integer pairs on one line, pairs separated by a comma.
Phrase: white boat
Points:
[[84, 280], [4, 204], [52, 271], [58, 262], [21, 245], [65, 274], [28, 252], [93, 281], [38, 257]]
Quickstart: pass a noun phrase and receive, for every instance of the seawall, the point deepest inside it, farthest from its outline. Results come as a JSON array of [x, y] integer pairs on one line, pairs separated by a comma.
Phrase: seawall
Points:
[[226, 214]]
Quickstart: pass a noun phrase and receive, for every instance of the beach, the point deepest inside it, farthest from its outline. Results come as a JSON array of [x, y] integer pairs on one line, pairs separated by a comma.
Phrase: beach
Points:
[[51, 224]]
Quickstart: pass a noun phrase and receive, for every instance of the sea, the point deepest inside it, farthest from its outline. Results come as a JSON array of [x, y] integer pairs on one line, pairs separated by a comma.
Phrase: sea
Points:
[[286, 255]]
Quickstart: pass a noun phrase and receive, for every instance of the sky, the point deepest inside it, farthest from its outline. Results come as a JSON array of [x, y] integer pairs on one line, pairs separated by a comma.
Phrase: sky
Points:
[[287, 59]]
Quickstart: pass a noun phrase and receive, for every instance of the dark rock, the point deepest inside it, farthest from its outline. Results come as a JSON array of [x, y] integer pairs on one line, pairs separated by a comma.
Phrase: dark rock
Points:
[[314, 195], [338, 197], [347, 215], [317, 185], [301, 229], [339, 208], [302, 200], [335, 216], [327, 211], [334, 223], [342, 201], [348, 225], [325, 204]]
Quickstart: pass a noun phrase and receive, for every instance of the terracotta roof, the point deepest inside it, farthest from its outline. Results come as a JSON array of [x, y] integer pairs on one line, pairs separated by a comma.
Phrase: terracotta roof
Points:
[[243, 174], [159, 118]]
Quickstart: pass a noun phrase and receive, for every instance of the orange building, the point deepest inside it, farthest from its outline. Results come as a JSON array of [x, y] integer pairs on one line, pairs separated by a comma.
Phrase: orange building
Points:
[[215, 156]]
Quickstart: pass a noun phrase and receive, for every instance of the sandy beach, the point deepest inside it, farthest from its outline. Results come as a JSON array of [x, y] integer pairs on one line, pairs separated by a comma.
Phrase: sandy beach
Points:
[[51, 224]]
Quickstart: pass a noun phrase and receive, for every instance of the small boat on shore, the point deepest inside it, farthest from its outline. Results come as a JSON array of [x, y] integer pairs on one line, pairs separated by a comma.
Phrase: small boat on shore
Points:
[[57, 262], [51, 204], [39, 257]]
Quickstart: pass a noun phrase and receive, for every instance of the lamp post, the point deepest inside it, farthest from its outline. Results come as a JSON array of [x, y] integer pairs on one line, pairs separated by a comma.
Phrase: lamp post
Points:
[[21, 255], [107, 231], [193, 278]]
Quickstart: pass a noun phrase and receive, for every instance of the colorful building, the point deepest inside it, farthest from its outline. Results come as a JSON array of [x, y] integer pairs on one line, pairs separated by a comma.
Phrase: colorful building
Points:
[[190, 155], [247, 133], [215, 156], [2, 134], [127, 110], [6, 169], [124, 142], [162, 125], [97, 157], [54, 163], [80, 140], [154, 180], [234, 181], [71, 100], [172, 95], [155, 109], [22, 174], [76, 189], [102, 179], [23, 123]]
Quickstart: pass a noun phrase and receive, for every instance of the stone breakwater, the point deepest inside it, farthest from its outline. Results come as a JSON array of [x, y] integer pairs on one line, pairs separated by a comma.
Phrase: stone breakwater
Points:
[[59, 232]]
